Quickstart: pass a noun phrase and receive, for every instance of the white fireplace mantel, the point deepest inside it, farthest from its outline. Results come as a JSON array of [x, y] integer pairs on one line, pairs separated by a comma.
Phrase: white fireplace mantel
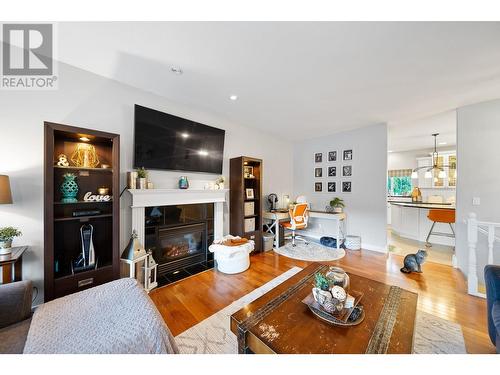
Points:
[[142, 198]]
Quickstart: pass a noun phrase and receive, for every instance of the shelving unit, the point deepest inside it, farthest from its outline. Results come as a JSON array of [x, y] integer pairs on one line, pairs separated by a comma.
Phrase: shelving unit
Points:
[[62, 229], [237, 195]]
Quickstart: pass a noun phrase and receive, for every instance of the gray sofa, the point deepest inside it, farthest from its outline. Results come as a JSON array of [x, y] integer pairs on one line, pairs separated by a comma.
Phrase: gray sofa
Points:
[[15, 316]]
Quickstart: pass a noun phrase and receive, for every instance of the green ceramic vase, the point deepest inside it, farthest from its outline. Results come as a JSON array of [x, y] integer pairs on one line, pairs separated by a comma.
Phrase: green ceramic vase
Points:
[[69, 188]]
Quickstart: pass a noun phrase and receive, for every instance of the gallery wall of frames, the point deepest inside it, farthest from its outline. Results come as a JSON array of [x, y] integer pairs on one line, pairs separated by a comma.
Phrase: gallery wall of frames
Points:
[[333, 171]]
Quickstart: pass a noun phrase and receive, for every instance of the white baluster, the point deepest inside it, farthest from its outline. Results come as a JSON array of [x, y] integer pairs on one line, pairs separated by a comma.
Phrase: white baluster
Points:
[[491, 240], [472, 242]]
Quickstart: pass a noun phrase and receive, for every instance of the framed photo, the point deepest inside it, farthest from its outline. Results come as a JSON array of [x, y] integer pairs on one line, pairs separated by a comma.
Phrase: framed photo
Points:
[[318, 157], [249, 193], [248, 172], [346, 186], [318, 172], [332, 171], [347, 155], [331, 187], [332, 156], [347, 171], [318, 187]]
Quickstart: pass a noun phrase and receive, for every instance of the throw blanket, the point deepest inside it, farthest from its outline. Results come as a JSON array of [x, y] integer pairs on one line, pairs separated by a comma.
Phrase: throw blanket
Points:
[[117, 317]]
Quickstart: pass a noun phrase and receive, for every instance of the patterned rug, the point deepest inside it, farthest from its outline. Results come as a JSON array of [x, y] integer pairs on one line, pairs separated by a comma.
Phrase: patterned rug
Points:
[[311, 252], [433, 335]]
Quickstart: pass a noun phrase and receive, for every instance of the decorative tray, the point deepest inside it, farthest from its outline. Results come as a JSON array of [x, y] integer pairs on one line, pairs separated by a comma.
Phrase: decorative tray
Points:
[[341, 318]]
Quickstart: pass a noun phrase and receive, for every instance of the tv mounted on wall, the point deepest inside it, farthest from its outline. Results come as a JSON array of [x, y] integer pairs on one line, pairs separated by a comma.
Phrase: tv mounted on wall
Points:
[[168, 142]]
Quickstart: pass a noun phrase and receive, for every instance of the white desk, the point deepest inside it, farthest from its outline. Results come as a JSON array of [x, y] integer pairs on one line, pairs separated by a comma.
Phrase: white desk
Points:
[[339, 223]]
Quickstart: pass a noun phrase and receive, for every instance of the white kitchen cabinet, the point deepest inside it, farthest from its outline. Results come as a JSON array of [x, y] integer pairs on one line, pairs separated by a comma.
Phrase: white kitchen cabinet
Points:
[[412, 223]]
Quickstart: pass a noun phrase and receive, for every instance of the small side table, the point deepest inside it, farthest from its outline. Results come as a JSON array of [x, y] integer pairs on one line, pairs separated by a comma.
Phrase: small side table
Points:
[[12, 265]]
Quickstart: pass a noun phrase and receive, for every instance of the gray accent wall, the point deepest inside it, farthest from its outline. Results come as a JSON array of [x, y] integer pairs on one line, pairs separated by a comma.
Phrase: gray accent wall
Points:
[[366, 207], [478, 154]]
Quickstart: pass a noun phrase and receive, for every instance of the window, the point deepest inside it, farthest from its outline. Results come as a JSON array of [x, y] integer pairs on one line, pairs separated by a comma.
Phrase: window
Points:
[[399, 182]]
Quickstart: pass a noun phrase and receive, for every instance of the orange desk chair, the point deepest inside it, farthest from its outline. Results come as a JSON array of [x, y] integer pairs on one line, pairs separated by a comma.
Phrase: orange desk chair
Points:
[[440, 216], [299, 214]]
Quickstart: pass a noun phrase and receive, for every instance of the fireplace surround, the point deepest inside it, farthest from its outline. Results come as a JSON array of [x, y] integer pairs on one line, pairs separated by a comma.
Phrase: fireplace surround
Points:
[[178, 226]]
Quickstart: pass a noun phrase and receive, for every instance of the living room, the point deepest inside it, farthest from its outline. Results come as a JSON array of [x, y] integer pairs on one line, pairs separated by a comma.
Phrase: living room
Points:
[[222, 188]]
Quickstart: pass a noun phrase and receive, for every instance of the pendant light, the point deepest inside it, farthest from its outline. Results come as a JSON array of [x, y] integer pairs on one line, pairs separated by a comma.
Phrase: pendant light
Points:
[[429, 171]]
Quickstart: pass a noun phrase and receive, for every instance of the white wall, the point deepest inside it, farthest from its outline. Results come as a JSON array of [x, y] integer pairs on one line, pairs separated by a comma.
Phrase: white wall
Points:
[[366, 204], [91, 101], [478, 135]]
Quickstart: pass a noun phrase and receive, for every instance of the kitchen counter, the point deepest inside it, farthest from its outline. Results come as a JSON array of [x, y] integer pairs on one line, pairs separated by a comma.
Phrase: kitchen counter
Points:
[[432, 206], [409, 220]]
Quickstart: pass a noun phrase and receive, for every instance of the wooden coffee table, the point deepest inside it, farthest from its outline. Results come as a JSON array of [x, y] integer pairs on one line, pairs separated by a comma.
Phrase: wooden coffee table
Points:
[[278, 322]]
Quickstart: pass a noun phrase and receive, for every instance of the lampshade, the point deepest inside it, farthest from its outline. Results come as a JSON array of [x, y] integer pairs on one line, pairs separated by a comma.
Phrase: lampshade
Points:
[[428, 174], [5, 194], [442, 174], [414, 174]]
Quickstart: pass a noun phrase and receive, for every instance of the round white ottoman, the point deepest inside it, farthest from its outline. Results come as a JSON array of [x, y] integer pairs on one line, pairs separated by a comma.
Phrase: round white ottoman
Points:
[[232, 259]]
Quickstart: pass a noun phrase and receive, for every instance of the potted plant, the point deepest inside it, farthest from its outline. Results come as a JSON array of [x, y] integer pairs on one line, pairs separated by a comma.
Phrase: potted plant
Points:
[[337, 204], [142, 174], [6, 236]]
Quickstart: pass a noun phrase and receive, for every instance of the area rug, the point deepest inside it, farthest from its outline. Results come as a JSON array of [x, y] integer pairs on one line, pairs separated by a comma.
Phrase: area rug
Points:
[[433, 335], [312, 252]]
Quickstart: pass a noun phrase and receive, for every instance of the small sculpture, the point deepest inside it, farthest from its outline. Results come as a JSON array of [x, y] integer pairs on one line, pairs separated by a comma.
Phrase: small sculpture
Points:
[[413, 262], [85, 156], [63, 161]]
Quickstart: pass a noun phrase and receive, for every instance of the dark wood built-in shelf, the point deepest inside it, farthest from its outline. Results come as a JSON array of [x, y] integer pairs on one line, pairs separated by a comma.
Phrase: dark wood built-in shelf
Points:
[[82, 217], [83, 202], [237, 195], [71, 168], [62, 242]]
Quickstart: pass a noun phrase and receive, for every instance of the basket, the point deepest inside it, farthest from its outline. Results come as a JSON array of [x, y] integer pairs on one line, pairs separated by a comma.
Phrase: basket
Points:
[[353, 242]]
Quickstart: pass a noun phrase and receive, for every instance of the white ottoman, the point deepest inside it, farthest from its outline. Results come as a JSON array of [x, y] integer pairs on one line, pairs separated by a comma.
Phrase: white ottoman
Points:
[[232, 259]]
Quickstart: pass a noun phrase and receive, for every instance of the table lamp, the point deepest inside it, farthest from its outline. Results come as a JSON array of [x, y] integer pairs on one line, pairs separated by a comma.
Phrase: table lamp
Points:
[[5, 193]]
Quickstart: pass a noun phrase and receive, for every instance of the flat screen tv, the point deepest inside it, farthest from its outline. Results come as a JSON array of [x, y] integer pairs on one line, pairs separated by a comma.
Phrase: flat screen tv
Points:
[[164, 141]]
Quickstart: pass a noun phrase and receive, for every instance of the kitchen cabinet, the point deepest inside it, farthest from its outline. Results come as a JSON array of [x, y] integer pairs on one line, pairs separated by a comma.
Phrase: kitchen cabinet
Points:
[[412, 223]]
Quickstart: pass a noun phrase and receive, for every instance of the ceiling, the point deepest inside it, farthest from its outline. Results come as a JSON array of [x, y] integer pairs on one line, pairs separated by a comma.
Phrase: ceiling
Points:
[[298, 79]]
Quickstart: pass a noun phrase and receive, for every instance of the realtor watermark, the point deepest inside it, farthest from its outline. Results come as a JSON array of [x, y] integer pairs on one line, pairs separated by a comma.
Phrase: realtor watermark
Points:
[[28, 57]]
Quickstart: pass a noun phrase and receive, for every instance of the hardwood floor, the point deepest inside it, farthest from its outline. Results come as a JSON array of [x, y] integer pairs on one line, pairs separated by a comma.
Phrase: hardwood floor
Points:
[[441, 289]]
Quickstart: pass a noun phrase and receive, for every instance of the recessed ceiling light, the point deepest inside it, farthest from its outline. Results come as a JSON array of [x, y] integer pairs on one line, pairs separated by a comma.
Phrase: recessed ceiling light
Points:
[[233, 97], [84, 139], [443, 143], [184, 135], [176, 70]]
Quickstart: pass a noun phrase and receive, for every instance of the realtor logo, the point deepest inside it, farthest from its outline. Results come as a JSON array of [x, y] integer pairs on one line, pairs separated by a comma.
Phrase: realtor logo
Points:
[[28, 56]]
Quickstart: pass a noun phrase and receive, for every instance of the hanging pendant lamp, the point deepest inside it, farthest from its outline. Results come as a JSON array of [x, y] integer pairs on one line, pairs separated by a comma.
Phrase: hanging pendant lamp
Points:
[[429, 171]]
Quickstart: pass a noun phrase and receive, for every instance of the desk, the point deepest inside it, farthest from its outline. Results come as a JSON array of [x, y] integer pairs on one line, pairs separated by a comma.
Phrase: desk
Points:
[[12, 262], [339, 223]]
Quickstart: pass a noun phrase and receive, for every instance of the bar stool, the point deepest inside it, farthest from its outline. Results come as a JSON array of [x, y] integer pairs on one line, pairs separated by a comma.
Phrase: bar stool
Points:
[[440, 216]]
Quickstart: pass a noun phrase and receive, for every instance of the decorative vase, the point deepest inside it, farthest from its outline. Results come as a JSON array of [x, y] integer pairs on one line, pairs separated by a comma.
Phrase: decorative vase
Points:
[[69, 188], [183, 182], [141, 183], [6, 244], [5, 247]]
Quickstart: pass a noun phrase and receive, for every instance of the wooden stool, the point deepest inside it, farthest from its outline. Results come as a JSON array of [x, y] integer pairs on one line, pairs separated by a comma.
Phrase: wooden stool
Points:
[[440, 216]]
